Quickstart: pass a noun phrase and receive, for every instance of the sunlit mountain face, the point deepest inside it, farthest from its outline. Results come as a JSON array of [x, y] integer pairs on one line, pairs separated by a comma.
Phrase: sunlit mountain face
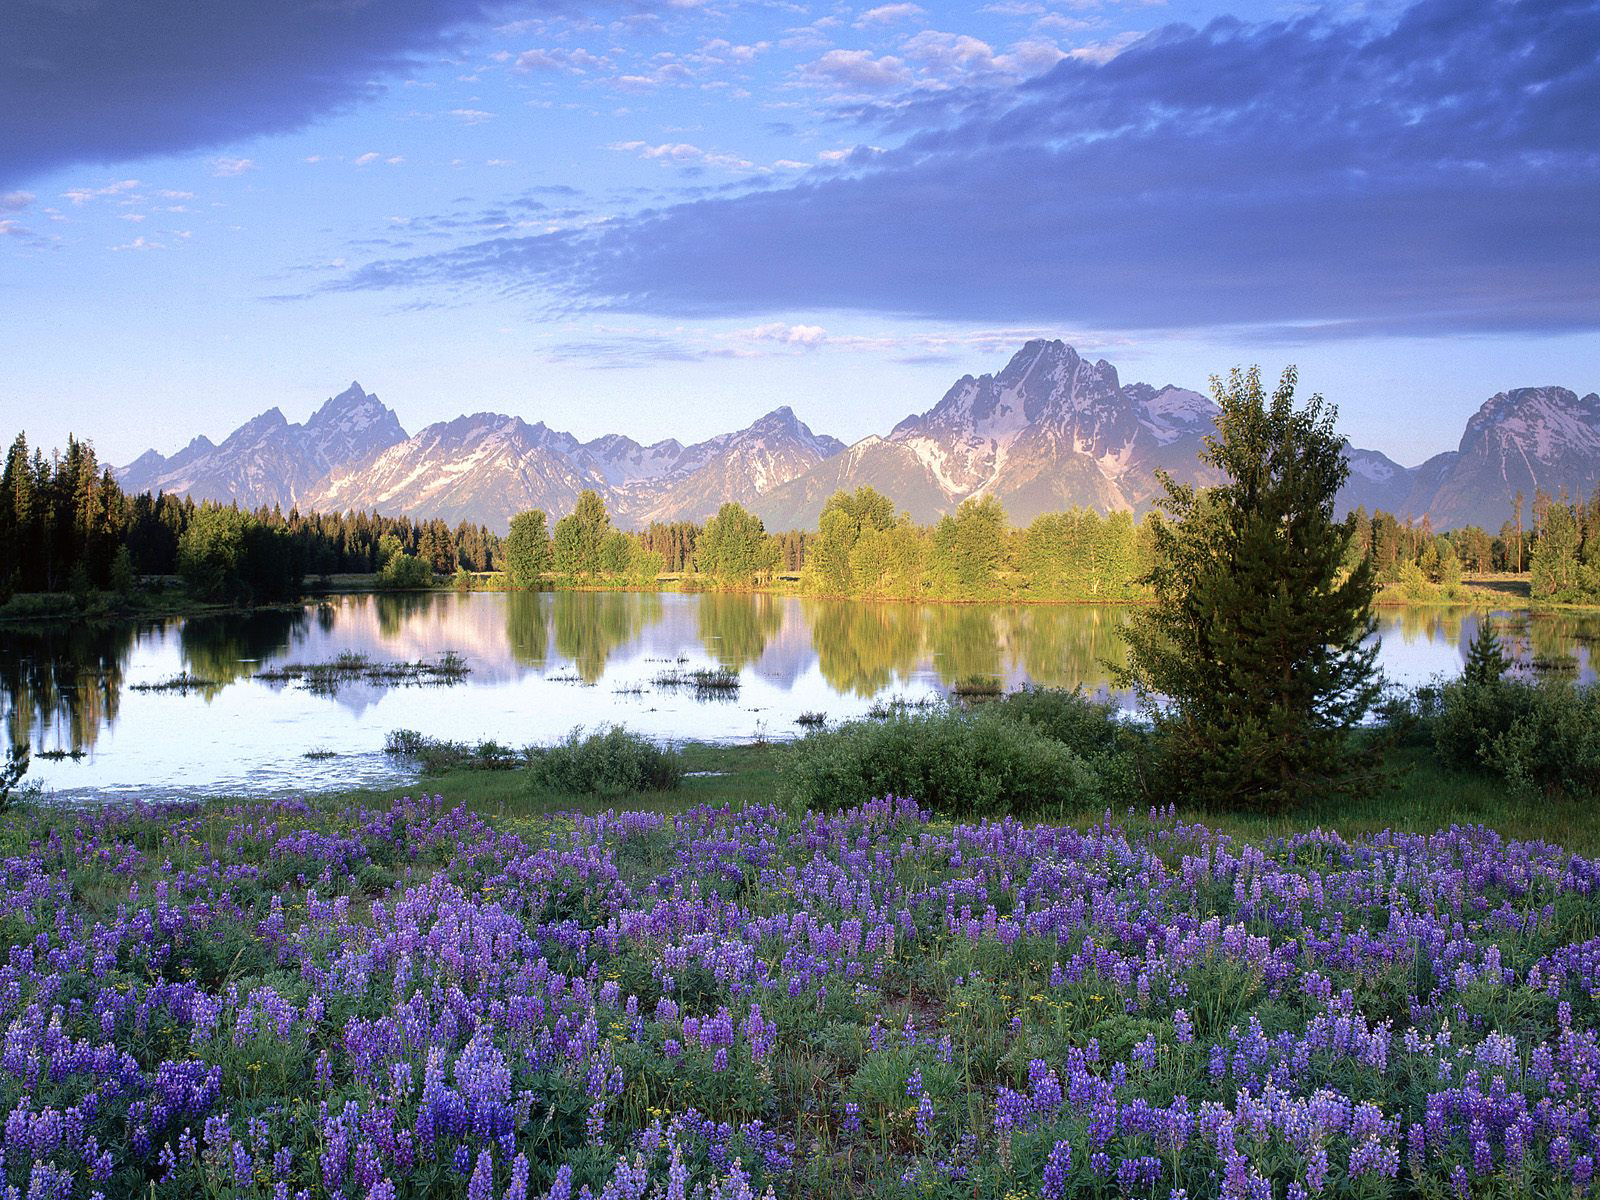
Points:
[[1050, 430]]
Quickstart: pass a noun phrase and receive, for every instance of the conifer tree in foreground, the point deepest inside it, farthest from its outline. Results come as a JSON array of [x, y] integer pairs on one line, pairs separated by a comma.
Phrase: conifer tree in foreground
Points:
[[1251, 663]]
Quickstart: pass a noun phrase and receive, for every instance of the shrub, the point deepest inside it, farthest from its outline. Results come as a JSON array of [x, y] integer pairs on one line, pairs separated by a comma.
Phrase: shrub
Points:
[[1540, 737], [1089, 727], [405, 572], [960, 764], [612, 762]]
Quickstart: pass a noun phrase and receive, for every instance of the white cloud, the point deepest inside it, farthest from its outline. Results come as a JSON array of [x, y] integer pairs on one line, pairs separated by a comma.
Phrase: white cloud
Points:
[[16, 201], [859, 69], [84, 195], [139, 243], [577, 61], [372, 156], [807, 336], [231, 166], [471, 116], [683, 154], [888, 14]]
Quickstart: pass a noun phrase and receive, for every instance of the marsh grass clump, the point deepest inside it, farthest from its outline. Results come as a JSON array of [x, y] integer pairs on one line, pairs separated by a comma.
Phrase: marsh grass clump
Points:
[[436, 755], [326, 678], [977, 687], [182, 684], [707, 683]]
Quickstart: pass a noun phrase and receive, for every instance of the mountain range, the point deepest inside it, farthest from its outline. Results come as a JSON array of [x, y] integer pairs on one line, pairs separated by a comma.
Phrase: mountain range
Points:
[[1051, 429]]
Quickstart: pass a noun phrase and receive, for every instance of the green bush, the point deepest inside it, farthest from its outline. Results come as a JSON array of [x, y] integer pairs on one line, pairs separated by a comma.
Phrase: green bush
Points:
[[958, 763], [1088, 727], [612, 762], [1540, 737]]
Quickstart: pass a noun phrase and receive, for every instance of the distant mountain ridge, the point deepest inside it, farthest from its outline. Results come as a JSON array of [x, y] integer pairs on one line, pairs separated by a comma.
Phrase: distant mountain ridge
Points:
[[268, 461], [1050, 430]]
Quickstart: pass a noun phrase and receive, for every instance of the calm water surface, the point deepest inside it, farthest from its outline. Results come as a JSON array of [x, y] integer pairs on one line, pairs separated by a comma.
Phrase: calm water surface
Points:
[[541, 664]]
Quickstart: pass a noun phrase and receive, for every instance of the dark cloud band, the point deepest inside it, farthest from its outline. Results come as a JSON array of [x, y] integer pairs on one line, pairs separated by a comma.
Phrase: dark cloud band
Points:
[[1440, 174], [114, 80]]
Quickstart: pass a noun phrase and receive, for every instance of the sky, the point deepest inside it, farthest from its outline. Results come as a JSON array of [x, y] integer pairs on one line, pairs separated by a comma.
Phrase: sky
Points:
[[667, 217]]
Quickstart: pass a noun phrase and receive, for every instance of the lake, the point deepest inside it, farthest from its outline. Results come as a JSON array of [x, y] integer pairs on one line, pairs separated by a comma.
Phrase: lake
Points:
[[540, 664]]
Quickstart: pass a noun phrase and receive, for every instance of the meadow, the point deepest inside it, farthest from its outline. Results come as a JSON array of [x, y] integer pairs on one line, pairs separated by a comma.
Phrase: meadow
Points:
[[376, 996]]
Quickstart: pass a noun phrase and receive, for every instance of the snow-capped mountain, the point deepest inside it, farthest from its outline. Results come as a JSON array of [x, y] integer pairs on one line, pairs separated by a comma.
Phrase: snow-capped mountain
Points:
[[1527, 439], [488, 467], [269, 461], [1050, 430]]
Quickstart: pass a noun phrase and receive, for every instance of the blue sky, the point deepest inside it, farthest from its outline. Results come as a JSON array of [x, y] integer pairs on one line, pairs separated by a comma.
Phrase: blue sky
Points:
[[667, 218]]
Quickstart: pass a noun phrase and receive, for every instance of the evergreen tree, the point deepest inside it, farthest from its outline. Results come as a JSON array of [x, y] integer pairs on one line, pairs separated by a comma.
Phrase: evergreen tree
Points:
[[527, 551], [1486, 659], [1251, 664]]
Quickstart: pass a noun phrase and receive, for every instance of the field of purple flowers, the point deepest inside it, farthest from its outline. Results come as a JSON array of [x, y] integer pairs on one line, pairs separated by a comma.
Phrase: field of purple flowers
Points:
[[292, 1000]]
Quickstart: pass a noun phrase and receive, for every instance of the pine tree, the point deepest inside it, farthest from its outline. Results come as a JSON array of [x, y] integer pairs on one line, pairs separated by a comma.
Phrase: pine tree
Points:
[[1486, 658], [1252, 663]]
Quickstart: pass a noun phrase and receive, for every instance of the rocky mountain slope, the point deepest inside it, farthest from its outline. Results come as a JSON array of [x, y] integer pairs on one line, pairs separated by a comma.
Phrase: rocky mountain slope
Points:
[[269, 461], [1050, 430], [488, 467]]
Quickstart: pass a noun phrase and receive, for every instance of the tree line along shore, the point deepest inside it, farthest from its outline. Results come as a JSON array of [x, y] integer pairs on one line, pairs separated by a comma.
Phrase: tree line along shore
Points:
[[73, 543]]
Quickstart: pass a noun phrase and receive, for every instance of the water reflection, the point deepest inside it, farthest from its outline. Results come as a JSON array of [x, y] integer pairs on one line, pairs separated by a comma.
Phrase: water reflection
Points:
[[77, 690]]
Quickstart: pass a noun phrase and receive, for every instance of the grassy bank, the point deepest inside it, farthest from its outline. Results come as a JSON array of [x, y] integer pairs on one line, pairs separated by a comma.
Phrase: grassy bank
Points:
[[1418, 797]]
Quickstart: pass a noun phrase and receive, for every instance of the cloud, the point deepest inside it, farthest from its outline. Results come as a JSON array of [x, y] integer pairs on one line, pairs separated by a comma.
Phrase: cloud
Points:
[[577, 62], [889, 14], [231, 166], [471, 116], [105, 81], [858, 70], [683, 154], [16, 201], [1436, 174]]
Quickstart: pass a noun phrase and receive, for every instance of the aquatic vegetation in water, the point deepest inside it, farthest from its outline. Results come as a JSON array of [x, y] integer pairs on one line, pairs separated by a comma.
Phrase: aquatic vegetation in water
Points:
[[283, 999], [328, 677], [182, 684], [707, 683]]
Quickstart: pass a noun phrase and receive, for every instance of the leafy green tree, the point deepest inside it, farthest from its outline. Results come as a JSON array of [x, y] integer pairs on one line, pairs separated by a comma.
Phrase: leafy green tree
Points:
[[969, 550], [211, 553], [526, 551], [579, 536], [845, 517], [734, 549], [1554, 565], [404, 572], [1253, 663], [616, 554], [887, 563]]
